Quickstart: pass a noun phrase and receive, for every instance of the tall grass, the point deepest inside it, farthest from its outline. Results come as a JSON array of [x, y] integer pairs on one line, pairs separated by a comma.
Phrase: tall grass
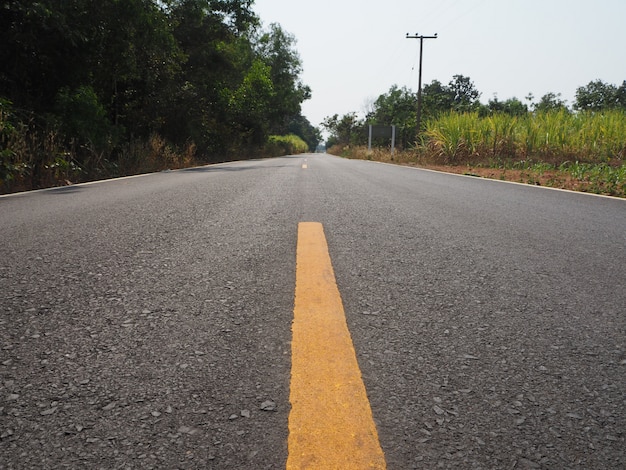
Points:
[[551, 136], [33, 155], [581, 151]]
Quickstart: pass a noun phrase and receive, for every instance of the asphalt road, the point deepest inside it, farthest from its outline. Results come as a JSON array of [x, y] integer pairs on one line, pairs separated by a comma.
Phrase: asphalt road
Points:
[[146, 322]]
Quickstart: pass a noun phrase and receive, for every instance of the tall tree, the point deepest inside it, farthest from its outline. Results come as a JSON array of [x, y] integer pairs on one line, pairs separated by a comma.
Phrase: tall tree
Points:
[[189, 70], [41, 50], [464, 94], [598, 95], [550, 102], [396, 107], [511, 106], [436, 98], [214, 37], [134, 59], [276, 48], [301, 127], [345, 130]]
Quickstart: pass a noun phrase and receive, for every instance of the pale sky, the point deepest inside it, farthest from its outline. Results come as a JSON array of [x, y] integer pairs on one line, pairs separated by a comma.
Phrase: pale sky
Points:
[[353, 51]]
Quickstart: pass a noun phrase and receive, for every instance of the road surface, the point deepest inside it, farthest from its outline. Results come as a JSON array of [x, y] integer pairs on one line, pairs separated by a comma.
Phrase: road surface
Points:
[[146, 322]]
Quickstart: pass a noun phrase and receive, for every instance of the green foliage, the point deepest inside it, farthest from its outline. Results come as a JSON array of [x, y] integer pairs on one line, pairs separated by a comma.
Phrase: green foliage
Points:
[[511, 106], [277, 50], [396, 107], [399, 106], [301, 127], [84, 118], [560, 134], [9, 168], [436, 99], [31, 156], [248, 104], [101, 76], [454, 135], [464, 94], [345, 130], [459, 95], [505, 134], [279, 145], [550, 102], [598, 178], [598, 95]]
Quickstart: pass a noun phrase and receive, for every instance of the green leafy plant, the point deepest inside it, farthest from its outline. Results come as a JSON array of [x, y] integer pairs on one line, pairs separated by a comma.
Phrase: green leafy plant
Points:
[[279, 145]]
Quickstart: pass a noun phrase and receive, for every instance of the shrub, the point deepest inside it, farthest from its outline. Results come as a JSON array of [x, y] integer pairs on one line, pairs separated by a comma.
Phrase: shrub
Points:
[[83, 118], [278, 145]]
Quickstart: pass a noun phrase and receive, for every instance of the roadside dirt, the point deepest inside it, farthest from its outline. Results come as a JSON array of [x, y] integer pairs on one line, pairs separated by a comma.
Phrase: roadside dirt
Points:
[[553, 178], [549, 178]]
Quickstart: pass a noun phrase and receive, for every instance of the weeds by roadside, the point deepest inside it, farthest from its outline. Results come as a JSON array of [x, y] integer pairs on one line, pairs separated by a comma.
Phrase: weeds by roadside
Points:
[[597, 178], [582, 151], [35, 154], [31, 158]]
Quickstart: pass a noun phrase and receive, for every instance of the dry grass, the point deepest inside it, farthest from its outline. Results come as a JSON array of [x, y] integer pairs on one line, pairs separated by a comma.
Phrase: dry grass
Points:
[[598, 178], [579, 151], [377, 154], [32, 159]]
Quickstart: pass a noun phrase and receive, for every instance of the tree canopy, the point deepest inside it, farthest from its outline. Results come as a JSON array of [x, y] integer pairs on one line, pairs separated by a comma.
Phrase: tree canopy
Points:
[[398, 107], [598, 95], [104, 72]]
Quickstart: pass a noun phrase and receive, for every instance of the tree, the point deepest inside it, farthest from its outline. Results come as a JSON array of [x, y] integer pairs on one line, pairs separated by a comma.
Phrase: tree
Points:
[[598, 95], [459, 95], [436, 99], [301, 127], [83, 119], [396, 107], [399, 105], [192, 71], [218, 65], [249, 104], [276, 48], [464, 94], [344, 130], [550, 102], [621, 95], [41, 51], [123, 50], [134, 60], [511, 106]]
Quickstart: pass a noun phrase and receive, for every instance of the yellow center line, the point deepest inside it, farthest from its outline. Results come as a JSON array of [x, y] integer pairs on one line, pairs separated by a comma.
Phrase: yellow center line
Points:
[[330, 423]]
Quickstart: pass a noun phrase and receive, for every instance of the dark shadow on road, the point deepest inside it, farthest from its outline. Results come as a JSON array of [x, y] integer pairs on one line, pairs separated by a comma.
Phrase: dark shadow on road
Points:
[[208, 169], [66, 189]]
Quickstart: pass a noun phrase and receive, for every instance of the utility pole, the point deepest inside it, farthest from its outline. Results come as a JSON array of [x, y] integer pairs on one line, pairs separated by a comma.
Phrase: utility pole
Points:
[[419, 87]]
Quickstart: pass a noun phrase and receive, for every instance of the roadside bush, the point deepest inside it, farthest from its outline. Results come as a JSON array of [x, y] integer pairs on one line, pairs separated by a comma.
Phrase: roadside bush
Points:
[[84, 118], [36, 154], [279, 145]]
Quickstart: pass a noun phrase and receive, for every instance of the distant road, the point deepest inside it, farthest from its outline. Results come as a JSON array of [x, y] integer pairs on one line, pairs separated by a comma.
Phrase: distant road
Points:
[[146, 322]]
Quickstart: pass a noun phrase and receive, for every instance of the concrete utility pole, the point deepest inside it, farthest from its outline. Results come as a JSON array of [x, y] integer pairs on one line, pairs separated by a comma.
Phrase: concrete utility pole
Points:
[[419, 88]]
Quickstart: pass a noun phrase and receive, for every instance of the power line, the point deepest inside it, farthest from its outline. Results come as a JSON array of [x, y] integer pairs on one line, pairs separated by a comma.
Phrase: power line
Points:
[[419, 87]]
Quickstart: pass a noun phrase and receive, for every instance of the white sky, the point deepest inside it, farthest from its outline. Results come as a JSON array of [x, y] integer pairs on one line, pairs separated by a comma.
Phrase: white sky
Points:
[[353, 51]]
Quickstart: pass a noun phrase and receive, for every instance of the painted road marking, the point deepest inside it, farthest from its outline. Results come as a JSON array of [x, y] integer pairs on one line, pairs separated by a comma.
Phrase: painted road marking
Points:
[[330, 423], [305, 164]]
